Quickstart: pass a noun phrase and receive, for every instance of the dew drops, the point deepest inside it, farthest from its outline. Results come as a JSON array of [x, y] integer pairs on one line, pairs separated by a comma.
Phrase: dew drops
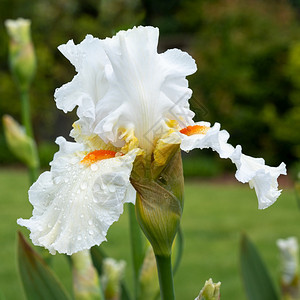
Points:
[[94, 167], [96, 200], [97, 187], [91, 232], [90, 222], [83, 186], [79, 238], [66, 180], [82, 216], [112, 189]]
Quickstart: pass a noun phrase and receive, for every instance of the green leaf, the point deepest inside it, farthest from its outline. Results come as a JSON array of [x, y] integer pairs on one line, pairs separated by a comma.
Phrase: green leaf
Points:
[[257, 281], [38, 279]]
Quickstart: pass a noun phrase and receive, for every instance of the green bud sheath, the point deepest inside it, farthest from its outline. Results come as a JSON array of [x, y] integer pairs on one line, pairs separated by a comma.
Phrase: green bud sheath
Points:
[[159, 204], [21, 52]]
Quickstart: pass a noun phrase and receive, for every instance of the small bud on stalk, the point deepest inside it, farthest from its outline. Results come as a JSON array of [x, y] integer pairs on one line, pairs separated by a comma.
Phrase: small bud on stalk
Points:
[[20, 144], [21, 53], [113, 273], [290, 282], [210, 291], [85, 279]]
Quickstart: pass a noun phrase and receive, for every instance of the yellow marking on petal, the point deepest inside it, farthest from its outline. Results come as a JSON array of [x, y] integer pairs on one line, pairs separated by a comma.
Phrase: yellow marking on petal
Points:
[[97, 155], [172, 124], [196, 129], [93, 140], [131, 141]]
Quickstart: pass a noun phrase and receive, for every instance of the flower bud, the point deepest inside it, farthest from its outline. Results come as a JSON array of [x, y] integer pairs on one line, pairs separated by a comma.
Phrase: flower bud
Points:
[[159, 203], [19, 143], [113, 272], [289, 253], [21, 53], [149, 287], [210, 291], [85, 279]]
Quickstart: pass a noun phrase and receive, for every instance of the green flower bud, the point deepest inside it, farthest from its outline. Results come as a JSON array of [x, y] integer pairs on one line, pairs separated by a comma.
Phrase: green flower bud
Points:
[[149, 287], [159, 202], [85, 278], [20, 144], [210, 291], [113, 272], [21, 53], [289, 253]]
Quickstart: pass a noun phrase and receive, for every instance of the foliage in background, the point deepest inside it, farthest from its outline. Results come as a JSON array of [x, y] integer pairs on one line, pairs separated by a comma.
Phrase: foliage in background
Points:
[[242, 49], [247, 55]]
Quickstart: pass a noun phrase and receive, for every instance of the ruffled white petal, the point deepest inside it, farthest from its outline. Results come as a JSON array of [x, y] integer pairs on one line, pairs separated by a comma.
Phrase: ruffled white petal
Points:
[[123, 84], [214, 138], [261, 177], [146, 88], [75, 204], [89, 85]]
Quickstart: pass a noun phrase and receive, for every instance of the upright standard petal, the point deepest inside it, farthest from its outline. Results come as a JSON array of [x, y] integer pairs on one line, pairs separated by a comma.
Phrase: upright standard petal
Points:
[[77, 201], [261, 177], [124, 86], [145, 88], [89, 85]]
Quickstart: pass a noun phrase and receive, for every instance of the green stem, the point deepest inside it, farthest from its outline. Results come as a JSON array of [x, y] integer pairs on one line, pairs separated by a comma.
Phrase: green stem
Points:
[[137, 248], [26, 121], [165, 275], [26, 112]]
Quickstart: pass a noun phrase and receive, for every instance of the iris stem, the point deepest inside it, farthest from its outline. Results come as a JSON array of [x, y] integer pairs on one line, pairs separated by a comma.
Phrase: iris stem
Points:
[[26, 121], [165, 275], [137, 248]]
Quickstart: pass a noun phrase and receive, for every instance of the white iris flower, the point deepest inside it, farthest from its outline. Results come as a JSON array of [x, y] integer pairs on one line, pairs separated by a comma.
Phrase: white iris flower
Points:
[[131, 101]]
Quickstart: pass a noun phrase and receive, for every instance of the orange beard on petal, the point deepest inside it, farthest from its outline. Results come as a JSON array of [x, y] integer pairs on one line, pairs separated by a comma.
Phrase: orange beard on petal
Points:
[[196, 129], [97, 155]]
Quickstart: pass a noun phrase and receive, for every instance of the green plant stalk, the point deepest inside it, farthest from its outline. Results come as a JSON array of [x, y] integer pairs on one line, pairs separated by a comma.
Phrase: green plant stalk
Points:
[[25, 108], [137, 248], [165, 275]]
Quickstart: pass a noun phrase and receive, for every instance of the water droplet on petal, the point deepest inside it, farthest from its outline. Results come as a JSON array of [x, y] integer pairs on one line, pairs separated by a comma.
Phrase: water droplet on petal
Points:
[[91, 232], [112, 188], [79, 238], [83, 186], [82, 216], [94, 167], [66, 180], [90, 222]]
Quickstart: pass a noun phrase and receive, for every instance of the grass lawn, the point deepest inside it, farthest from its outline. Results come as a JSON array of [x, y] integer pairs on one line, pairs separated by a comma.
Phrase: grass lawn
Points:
[[214, 216]]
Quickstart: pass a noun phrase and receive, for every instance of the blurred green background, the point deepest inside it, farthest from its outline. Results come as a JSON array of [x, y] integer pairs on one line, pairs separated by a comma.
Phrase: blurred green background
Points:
[[248, 79], [247, 52]]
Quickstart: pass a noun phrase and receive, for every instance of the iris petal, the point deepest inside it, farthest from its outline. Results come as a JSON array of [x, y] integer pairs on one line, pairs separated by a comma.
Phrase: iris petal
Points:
[[75, 203]]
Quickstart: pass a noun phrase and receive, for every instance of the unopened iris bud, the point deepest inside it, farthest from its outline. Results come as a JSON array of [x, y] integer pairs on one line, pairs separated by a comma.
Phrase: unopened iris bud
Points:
[[289, 253], [159, 203], [85, 278], [22, 146], [21, 53], [113, 272], [148, 277], [210, 291]]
